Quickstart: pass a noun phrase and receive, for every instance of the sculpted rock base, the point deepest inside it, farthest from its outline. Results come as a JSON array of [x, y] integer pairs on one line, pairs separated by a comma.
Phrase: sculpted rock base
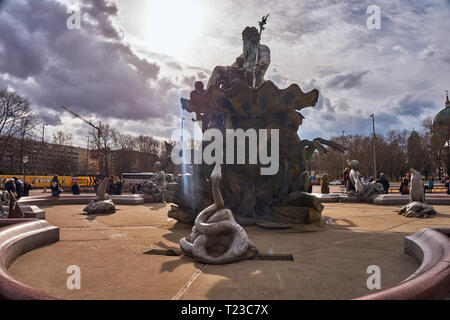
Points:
[[100, 207], [101, 204], [417, 209]]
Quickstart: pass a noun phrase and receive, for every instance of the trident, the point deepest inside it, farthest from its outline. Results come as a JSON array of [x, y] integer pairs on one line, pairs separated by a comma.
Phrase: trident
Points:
[[262, 23]]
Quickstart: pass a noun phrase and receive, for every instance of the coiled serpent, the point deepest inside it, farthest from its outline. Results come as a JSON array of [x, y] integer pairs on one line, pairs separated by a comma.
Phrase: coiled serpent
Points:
[[216, 238]]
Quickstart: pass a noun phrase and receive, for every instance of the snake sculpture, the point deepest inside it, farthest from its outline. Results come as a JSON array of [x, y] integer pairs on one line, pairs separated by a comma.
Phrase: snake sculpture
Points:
[[216, 238]]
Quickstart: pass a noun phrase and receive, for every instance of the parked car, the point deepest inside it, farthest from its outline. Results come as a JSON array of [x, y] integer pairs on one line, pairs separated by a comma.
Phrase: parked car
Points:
[[336, 182]]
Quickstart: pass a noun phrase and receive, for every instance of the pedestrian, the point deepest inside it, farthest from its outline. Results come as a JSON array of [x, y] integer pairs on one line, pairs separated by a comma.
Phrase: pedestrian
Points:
[[346, 176], [96, 183], [75, 188], [139, 187], [10, 185], [133, 189], [404, 189], [384, 182], [26, 189], [447, 185], [19, 188], [110, 186], [324, 188], [55, 186], [118, 186], [431, 185]]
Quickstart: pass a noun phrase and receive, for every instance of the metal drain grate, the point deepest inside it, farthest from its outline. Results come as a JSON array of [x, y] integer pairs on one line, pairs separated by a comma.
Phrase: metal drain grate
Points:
[[164, 252], [273, 257]]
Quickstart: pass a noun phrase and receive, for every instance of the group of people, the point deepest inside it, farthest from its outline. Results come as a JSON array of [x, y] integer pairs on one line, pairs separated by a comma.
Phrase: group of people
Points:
[[404, 186], [136, 188], [17, 187], [114, 185]]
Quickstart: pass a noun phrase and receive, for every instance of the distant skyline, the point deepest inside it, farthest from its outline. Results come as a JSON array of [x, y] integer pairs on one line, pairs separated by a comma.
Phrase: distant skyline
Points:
[[131, 61]]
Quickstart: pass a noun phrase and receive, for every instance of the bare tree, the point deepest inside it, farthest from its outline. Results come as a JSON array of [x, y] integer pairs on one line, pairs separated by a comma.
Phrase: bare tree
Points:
[[148, 144], [16, 120], [103, 143]]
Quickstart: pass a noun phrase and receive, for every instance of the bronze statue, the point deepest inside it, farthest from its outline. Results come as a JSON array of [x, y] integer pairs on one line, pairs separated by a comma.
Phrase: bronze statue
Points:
[[250, 66]]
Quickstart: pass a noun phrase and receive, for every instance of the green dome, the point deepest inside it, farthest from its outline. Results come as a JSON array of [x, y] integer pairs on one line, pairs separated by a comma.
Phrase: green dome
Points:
[[443, 118], [414, 134]]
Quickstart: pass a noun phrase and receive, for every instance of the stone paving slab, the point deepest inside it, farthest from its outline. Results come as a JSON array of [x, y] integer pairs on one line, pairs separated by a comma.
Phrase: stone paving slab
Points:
[[30, 211]]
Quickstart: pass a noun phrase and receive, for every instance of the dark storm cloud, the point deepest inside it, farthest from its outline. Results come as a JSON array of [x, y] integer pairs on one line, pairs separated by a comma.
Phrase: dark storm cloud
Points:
[[347, 80], [413, 106], [91, 70], [16, 57], [49, 117], [101, 11]]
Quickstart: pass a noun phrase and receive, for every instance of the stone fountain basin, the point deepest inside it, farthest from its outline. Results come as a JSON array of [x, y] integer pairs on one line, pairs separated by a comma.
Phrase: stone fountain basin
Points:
[[329, 263]]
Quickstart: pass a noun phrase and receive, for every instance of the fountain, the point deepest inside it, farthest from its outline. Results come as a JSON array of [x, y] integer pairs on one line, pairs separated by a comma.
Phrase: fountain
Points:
[[238, 97]]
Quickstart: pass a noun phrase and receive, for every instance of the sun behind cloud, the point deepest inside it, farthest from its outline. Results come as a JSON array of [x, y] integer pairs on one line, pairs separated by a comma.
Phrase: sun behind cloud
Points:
[[169, 26]]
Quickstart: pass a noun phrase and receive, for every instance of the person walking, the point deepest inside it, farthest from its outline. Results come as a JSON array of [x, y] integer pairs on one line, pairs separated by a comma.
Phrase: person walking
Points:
[[324, 188], [384, 182], [110, 187], [346, 176], [96, 183], [430, 185], [10, 186], [26, 189], [118, 186], [75, 188], [404, 189], [133, 189], [19, 188], [55, 186]]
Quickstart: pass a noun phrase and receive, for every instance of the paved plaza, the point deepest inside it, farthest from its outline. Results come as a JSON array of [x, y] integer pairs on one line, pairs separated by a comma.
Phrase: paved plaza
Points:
[[330, 259]]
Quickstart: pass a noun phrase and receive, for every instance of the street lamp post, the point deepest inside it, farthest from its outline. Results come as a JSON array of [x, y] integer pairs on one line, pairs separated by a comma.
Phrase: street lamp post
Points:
[[374, 151], [343, 154], [43, 131], [87, 156]]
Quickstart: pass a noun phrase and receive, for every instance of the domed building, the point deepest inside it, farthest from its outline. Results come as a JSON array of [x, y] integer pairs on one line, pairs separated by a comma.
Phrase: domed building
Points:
[[441, 138]]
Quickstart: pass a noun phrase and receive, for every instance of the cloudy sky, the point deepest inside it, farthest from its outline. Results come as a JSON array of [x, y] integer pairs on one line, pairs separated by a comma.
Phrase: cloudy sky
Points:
[[132, 60]]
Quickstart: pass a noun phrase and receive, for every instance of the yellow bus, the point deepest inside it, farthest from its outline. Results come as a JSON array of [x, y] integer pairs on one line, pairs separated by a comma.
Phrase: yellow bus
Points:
[[44, 181]]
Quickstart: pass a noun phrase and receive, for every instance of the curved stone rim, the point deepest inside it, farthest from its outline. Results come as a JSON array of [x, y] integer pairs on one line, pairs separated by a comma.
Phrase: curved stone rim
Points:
[[431, 248], [18, 236], [78, 199]]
